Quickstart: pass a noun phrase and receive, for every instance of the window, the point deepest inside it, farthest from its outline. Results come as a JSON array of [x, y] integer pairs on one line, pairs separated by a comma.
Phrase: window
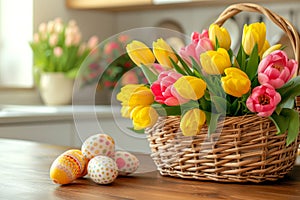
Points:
[[16, 25]]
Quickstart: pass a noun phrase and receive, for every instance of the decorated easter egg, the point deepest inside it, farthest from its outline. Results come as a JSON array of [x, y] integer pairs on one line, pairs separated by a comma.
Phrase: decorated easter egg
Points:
[[68, 166], [99, 144], [102, 169], [127, 163]]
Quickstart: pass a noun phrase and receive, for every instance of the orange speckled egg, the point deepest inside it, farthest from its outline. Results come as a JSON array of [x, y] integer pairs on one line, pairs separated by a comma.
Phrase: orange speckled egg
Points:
[[99, 144], [68, 166]]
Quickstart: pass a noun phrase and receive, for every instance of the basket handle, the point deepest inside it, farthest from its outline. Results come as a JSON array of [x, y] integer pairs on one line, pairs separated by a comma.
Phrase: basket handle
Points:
[[281, 22]]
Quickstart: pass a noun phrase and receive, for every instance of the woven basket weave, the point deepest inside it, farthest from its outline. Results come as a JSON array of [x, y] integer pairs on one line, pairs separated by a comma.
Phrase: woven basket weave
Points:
[[246, 149]]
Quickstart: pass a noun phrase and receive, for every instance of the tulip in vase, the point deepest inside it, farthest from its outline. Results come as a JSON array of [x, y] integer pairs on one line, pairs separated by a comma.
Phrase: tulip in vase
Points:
[[58, 54]]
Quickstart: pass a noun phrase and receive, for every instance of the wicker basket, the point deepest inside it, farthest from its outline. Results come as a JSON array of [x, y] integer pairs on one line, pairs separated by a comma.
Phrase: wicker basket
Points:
[[246, 149]]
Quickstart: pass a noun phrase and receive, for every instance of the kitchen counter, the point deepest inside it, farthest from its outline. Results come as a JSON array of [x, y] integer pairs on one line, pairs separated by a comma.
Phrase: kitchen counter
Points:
[[69, 125], [25, 175], [27, 113]]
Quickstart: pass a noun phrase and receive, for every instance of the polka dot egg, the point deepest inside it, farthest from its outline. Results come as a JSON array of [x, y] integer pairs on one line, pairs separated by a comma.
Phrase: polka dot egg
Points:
[[127, 163], [102, 170], [99, 144]]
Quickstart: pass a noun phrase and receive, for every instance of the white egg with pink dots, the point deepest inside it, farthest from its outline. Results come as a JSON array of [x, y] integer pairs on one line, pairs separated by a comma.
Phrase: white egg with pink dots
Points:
[[127, 162]]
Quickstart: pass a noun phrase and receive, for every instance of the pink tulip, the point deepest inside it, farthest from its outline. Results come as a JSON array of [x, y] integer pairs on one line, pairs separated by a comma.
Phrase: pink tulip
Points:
[[163, 89], [200, 43], [110, 47], [158, 68], [53, 39], [276, 69], [129, 77], [93, 42], [58, 51], [36, 38], [263, 100], [198, 36]]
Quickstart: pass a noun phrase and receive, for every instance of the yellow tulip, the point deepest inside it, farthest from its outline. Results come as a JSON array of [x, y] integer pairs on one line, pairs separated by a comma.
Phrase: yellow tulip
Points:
[[236, 82], [143, 117], [142, 97], [134, 95], [190, 87], [163, 53], [192, 122], [127, 90], [126, 110], [253, 34], [139, 53], [224, 40], [271, 49], [265, 47], [214, 62]]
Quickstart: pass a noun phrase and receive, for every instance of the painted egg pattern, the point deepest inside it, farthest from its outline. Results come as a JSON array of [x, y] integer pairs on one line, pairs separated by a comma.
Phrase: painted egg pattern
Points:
[[102, 170], [68, 166], [127, 163], [99, 144]]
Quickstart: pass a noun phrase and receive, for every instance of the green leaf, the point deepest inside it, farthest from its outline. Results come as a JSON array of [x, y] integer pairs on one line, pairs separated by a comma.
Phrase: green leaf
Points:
[[151, 77], [235, 107], [288, 93], [184, 65], [72, 73], [217, 44], [293, 124], [142, 131], [178, 68], [241, 58], [220, 104], [212, 121], [164, 110], [281, 123], [196, 66], [252, 64], [205, 103]]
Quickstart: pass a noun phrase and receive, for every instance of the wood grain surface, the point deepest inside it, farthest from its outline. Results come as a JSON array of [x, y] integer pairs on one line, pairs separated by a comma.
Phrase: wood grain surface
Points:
[[24, 170]]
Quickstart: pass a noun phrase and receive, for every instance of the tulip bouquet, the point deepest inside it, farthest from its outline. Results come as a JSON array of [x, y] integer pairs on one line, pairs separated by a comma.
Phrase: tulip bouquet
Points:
[[206, 81], [58, 47]]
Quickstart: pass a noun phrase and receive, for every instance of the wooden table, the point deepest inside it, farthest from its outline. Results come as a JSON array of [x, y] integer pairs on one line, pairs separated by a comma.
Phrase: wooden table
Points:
[[24, 169]]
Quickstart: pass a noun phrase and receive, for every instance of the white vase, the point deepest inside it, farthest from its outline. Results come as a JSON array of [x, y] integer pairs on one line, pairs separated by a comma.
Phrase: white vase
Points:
[[56, 88]]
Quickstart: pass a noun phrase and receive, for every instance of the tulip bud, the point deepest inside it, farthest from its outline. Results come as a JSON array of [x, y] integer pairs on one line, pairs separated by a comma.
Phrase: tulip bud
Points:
[[220, 33], [163, 53], [36, 38], [236, 82], [93, 42], [50, 26], [192, 122], [58, 51], [43, 28], [265, 47], [214, 62], [53, 39], [190, 87], [134, 95], [253, 34], [139, 53], [143, 117], [271, 49]]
